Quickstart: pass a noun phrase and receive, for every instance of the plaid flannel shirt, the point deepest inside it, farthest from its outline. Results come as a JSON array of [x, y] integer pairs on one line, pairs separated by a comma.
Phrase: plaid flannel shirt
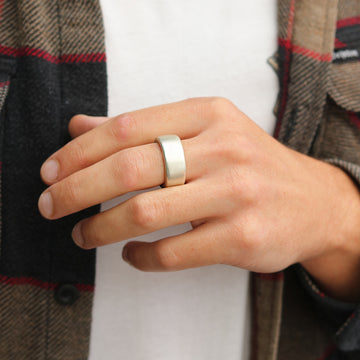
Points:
[[52, 66]]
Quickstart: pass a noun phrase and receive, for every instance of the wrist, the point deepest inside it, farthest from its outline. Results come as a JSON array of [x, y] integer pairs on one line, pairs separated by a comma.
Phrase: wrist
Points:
[[345, 214], [337, 268]]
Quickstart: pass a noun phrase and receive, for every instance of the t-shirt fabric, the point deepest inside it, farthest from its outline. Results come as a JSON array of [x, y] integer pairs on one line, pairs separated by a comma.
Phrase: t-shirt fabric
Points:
[[162, 51]]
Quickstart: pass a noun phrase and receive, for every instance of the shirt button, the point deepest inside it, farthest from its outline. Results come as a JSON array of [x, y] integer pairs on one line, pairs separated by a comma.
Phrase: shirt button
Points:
[[66, 294]]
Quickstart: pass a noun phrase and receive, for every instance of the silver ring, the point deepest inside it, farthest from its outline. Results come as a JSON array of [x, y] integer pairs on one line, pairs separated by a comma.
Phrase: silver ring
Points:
[[174, 159]]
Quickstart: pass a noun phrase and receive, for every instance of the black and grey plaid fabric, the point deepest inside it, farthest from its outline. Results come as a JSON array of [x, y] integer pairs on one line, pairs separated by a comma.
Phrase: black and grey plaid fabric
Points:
[[52, 66]]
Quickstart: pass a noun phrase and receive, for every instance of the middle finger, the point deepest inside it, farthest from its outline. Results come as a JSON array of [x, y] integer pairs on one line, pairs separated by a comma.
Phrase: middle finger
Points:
[[128, 170]]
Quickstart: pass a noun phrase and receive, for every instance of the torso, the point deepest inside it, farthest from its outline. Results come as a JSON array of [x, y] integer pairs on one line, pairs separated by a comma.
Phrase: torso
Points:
[[160, 52]]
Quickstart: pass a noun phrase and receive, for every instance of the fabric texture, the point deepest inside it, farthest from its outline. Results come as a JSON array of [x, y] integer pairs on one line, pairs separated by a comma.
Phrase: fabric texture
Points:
[[156, 56], [52, 64], [317, 114], [51, 67]]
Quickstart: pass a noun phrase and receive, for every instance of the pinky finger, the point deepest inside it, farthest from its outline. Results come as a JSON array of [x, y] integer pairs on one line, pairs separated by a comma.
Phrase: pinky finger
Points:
[[199, 247]]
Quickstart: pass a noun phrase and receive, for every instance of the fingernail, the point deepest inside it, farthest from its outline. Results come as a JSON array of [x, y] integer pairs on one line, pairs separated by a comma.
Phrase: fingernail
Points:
[[50, 170], [125, 254], [46, 204], [77, 235]]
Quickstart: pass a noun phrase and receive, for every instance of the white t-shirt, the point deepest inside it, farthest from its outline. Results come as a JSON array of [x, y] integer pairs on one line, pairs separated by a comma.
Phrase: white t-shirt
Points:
[[161, 51]]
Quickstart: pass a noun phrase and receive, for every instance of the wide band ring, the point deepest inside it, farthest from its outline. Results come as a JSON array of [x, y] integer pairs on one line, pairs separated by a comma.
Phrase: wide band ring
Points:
[[174, 159]]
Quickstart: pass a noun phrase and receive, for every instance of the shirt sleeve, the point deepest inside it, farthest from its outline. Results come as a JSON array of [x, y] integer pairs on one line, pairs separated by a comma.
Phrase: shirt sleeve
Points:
[[345, 316], [338, 143]]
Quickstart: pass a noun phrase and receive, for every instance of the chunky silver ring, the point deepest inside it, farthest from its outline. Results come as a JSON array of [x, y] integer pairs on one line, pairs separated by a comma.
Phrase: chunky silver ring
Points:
[[174, 159]]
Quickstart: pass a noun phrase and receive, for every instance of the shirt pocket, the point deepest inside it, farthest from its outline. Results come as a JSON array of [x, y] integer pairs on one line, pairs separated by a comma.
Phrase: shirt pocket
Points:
[[338, 137], [344, 85]]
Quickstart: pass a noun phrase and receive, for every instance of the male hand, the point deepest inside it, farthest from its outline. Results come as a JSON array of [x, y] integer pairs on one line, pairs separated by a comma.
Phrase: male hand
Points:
[[253, 202]]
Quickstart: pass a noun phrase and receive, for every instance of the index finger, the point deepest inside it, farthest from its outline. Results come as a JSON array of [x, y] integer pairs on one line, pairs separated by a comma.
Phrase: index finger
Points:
[[185, 118]]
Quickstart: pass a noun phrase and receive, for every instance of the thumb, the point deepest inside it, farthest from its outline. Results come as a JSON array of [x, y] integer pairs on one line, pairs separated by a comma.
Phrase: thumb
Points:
[[80, 124]]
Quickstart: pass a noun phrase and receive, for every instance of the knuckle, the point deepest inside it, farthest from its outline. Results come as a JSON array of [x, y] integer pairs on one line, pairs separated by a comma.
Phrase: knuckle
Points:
[[248, 236], [247, 149], [234, 146], [253, 235], [127, 168], [144, 213], [165, 257], [219, 102], [223, 146], [220, 108], [122, 127], [70, 193], [78, 154]]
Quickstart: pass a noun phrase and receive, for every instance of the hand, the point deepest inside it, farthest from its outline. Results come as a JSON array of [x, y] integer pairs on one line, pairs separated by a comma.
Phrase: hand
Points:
[[253, 202]]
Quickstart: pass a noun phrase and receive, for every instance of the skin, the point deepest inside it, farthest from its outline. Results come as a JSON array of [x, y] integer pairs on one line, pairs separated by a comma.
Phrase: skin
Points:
[[253, 202]]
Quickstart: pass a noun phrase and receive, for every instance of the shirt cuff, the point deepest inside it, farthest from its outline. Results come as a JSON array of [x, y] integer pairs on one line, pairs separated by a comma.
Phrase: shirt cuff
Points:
[[346, 316]]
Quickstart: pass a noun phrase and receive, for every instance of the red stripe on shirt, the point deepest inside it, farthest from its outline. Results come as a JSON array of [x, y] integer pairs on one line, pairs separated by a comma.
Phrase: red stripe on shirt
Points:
[[3, 84], [348, 22], [289, 50], [22, 280], [304, 51], [291, 20], [355, 119], [339, 44], [66, 58]]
